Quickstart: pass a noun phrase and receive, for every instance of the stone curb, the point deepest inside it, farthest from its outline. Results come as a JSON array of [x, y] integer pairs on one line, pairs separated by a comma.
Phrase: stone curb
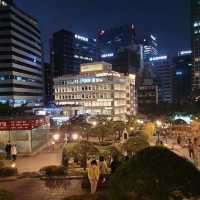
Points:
[[14, 178]]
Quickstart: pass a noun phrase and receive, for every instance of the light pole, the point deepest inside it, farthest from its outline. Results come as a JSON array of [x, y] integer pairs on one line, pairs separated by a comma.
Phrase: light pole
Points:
[[158, 126]]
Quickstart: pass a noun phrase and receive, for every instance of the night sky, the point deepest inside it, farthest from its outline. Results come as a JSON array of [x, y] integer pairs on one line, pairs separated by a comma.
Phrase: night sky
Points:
[[168, 20]]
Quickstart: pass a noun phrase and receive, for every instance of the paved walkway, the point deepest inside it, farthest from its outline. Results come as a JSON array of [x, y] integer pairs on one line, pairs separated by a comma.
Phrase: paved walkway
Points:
[[36, 189], [34, 163]]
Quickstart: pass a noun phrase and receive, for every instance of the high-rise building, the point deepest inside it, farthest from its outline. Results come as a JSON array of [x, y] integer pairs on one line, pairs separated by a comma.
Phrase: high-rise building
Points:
[[48, 83], [118, 46], [69, 51], [147, 91], [97, 90], [150, 47], [182, 77], [195, 28], [110, 41], [21, 72], [163, 69]]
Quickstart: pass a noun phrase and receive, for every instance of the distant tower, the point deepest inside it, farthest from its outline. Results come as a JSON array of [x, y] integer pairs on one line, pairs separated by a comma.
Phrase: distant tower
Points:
[[195, 32]]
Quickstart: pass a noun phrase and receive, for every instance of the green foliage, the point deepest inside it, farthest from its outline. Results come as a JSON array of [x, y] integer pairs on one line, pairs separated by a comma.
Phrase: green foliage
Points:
[[53, 171], [155, 173], [5, 195], [135, 144], [8, 171], [110, 151], [81, 151], [87, 197]]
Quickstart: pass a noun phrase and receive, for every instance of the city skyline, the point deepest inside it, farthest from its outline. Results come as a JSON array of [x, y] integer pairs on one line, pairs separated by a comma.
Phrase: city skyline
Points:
[[76, 16]]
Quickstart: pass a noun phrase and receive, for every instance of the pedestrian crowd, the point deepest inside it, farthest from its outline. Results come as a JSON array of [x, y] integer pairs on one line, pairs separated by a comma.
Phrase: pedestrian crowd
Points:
[[98, 171], [11, 151]]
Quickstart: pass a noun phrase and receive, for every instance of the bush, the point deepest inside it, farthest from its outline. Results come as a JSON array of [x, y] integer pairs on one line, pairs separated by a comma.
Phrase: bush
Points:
[[87, 197], [4, 195], [155, 173], [8, 171], [53, 171]]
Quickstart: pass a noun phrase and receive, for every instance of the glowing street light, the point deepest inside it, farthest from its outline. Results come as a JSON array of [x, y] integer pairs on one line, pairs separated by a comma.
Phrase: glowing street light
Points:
[[13, 165], [158, 123], [75, 136], [56, 137], [131, 128], [94, 123]]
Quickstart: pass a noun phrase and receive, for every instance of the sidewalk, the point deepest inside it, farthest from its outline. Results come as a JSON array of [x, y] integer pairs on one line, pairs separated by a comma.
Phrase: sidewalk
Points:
[[35, 163]]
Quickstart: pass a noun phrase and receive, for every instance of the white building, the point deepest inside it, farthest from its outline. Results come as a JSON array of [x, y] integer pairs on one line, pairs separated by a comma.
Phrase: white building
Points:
[[97, 90]]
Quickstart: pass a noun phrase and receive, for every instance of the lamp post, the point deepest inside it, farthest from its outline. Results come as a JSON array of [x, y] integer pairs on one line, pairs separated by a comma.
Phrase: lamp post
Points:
[[158, 126]]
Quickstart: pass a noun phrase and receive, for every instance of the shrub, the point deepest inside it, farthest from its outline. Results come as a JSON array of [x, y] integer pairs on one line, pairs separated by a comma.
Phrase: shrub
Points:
[[8, 171], [4, 195], [87, 197], [53, 171], [155, 173]]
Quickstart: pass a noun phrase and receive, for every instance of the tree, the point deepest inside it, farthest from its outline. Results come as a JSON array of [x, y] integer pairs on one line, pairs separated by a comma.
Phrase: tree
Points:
[[117, 128], [155, 173], [149, 129], [80, 151], [135, 144]]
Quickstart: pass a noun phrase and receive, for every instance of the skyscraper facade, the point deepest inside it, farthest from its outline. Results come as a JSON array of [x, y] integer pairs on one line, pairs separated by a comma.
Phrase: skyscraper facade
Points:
[[119, 47], [21, 71], [69, 51], [110, 41], [195, 28], [182, 78], [163, 69], [150, 47]]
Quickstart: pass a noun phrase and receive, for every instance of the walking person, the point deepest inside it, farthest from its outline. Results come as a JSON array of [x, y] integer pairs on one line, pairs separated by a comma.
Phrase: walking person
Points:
[[196, 152], [8, 150], [103, 169], [14, 152], [93, 175], [191, 149]]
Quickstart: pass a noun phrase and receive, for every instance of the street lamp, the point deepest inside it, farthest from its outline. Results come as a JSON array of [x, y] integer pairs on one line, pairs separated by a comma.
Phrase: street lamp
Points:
[[56, 137], [158, 126], [94, 123], [75, 136], [158, 123], [13, 165]]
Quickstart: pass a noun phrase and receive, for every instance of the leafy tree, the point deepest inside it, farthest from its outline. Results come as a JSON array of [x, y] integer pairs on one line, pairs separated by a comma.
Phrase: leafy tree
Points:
[[149, 128], [117, 127], [155, 173], [81, 151], [135, 144]]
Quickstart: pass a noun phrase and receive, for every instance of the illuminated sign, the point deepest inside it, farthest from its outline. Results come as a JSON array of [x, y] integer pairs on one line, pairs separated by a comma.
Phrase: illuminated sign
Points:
[[158, 58], [79, 37], [3, 3], [29, 124], [179, 73], [83, 57], [92, 68], [107, 55], [153, 37], [185, 52]]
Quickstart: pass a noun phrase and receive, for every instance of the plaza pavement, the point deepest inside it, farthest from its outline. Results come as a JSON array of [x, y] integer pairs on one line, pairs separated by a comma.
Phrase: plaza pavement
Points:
[[36, 162]]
